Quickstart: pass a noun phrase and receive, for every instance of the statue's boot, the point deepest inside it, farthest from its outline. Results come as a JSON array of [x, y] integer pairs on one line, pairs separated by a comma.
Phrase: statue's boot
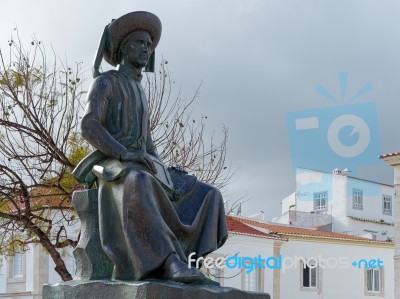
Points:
[[176, 270]]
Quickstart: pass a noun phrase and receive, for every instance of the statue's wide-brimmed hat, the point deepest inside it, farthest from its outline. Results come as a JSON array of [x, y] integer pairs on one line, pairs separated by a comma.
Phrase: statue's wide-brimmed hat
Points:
[[115, 32], [121, 27]]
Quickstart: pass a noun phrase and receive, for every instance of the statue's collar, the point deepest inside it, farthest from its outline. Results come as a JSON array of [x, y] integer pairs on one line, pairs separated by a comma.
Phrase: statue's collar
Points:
[[134, 74]]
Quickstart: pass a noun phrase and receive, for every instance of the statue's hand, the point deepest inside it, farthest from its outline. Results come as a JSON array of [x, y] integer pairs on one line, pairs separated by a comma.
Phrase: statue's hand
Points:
[[140, 157]]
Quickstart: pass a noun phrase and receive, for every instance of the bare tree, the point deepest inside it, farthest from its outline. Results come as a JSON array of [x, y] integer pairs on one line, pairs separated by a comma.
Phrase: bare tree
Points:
[[179, 137], [40, 144], [39, 101]]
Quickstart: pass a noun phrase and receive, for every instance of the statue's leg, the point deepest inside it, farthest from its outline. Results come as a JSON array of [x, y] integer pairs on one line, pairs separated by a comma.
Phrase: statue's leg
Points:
[[202, 209], [134, 213], [111, 233]]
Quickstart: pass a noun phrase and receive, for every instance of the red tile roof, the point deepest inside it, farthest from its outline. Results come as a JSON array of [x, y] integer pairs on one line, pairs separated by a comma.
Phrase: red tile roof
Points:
[[39, 197], [286, 231], [237, 227], [389, 155]]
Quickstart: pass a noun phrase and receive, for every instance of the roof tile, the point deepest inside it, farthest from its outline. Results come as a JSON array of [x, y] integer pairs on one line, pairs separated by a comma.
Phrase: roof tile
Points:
[[236, 226], [297, 231]]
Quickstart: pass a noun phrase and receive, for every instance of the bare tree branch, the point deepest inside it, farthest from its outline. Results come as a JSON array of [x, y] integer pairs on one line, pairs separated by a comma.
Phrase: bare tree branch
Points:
[[179, 137], [40, 106]]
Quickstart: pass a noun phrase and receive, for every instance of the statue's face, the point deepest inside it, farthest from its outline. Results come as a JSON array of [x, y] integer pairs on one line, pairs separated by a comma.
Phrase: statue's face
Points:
[[137, 49]]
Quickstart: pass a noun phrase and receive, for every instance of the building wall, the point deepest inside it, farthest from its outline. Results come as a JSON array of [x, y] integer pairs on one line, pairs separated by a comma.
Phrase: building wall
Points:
[[339, 204], [372, 210], [247, 246], [372, 199], [282, 283], [38, 269], [287, 202], [3, 274], [304, 219], [346, 283], [28, 283], [309, 182], [366, 229]]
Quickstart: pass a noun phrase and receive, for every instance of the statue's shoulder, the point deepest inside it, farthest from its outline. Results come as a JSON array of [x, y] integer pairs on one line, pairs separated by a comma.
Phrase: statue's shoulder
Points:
[[107, 80], [109, 75]]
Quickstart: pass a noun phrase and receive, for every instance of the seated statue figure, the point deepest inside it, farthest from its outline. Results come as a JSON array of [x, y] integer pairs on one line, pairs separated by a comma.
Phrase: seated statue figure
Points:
[[150, 217]]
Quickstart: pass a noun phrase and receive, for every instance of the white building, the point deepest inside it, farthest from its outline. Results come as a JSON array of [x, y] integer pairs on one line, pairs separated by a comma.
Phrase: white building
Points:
[[394, 161], [340, 203], [23, 275], [297, 249], [315, 264], [347, 220]]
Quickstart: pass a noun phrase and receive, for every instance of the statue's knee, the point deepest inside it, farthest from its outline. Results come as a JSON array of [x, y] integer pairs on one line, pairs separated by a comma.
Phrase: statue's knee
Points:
[[138, 177]]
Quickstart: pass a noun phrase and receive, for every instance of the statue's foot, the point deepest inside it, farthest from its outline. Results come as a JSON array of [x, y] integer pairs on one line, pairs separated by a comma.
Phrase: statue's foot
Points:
[[176, 270]]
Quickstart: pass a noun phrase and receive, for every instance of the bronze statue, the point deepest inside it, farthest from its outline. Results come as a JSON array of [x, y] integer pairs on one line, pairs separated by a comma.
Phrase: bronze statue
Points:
[[151, 217]]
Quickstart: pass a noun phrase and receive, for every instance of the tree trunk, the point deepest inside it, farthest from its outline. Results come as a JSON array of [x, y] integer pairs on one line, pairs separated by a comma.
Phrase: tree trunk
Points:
[[60, 268]]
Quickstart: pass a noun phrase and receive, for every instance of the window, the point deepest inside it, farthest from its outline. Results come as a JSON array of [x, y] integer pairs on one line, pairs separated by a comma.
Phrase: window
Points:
[[252, 281], [387, 205], [309, 275], [16, 265], [357, 199], [374, 281], [320, 200]]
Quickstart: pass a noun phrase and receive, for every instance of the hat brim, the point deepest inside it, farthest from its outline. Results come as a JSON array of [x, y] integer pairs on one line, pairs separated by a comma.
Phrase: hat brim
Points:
[[121, 27]]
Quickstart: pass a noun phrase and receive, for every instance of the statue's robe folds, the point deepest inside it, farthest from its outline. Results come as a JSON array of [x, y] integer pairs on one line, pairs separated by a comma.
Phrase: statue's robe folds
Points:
[[141, 220]]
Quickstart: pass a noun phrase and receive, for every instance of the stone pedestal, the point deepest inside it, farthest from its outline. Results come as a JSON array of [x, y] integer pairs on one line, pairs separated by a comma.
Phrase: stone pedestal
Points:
[[104, 289], [91, 262], [94, 270]]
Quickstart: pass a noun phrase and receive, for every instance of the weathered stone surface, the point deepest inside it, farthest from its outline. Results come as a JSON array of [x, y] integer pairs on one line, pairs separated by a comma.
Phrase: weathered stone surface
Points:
[[91, 261], [142, 290]]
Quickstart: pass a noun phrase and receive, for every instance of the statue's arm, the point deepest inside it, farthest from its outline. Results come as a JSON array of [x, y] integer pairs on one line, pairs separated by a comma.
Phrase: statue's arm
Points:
[[93, 123], [94, 129]]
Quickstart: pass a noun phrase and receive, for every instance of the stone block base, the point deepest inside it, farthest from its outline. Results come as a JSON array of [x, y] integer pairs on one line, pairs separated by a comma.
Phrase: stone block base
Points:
[[103, 289]]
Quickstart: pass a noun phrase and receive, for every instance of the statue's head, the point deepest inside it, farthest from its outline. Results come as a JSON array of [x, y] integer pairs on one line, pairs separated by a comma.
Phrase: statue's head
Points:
[[121, 34], [136, 49]]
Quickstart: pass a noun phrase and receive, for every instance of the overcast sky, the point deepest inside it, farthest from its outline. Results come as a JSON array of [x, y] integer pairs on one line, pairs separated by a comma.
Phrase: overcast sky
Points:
[[258, 60]]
